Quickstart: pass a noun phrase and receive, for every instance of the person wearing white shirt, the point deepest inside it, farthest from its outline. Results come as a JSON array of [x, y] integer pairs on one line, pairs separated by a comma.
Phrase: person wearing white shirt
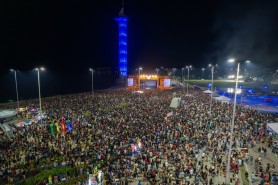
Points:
[[203, 155], [239, 162], [191, 172], [166, 164]]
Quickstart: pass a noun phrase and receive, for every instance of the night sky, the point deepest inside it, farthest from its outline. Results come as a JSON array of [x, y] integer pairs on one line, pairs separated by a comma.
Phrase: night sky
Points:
[[68, 37]]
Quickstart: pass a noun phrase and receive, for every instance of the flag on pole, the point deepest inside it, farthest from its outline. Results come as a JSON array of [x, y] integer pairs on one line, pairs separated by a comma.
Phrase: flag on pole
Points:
[[51, 129], [57, 127], [63, 126]]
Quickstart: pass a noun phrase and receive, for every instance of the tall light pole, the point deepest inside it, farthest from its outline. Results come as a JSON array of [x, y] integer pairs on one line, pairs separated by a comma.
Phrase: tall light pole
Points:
[[39, 86], [15, 78], [162, 70], [182, 73], [188, 68], [233, 120], [157, 70], [139, 73], [211, 87], [183, 76], [92, 71], [203, 71], [174, 71]]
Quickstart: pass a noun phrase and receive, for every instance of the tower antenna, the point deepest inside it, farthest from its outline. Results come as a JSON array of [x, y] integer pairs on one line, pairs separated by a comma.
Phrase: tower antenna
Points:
[[121, 13]]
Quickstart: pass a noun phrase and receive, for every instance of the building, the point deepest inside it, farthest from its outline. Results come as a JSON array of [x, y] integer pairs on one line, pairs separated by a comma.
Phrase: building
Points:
[[122, 23]]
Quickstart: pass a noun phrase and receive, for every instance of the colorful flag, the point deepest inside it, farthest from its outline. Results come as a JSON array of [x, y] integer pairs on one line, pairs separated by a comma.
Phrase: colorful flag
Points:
[[57, 127], [69, 126], [63, 126], [51, 128]]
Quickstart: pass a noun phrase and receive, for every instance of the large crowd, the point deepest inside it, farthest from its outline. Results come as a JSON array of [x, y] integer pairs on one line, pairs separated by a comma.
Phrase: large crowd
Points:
[[128, 135]]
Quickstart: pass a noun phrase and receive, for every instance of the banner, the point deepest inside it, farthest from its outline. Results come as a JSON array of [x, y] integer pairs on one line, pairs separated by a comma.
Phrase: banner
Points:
[[175, 102], [170, 114]]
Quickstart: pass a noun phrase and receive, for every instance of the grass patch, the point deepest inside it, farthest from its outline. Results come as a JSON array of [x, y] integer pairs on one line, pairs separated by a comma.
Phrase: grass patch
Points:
[[242, 173]]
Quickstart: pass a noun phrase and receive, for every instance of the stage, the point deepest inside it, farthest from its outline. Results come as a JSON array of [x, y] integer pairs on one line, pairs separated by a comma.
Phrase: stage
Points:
[[148, 82]]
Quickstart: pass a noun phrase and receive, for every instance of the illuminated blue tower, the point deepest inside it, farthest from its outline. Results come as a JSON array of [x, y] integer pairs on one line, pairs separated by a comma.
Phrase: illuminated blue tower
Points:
[[122, 22]]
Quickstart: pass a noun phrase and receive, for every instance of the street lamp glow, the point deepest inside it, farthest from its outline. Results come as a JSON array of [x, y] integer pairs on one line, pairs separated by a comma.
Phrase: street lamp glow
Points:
[[40, 68], [12, 70], [247, 61], [90, 69], [140, 68], [231, 60], [209, 65]]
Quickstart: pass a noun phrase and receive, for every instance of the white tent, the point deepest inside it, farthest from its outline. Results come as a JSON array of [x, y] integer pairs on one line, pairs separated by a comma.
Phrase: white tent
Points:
[[215, 94], [175, 102], [207, 92], [273, 127], [223, 99]]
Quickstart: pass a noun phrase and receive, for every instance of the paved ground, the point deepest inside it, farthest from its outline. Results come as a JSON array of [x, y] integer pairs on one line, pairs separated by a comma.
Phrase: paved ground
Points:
[[217, 179], [269, 158]]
